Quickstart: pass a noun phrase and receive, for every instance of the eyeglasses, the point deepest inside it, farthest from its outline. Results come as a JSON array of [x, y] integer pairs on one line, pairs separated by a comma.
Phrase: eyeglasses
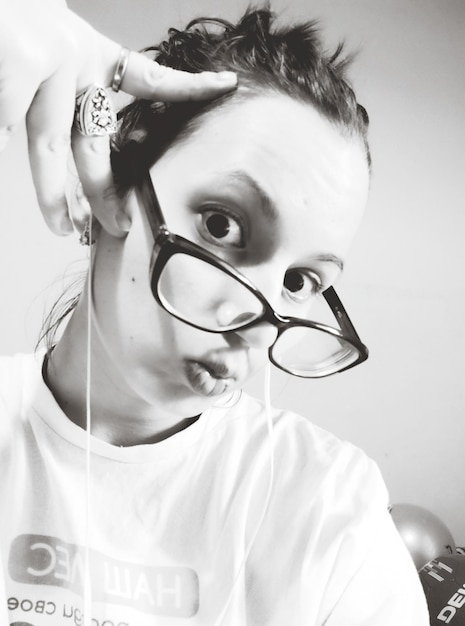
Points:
[[206, 292]]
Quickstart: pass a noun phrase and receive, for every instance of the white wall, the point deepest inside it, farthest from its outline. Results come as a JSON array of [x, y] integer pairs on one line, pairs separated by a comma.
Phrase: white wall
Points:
[[404, 285]]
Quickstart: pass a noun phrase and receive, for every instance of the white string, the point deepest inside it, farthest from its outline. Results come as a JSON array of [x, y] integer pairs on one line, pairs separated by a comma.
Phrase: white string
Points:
[[269, 424], [87, 570]]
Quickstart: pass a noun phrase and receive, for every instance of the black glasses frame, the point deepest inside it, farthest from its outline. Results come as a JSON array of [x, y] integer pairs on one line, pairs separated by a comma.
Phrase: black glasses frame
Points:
[[166, 244]]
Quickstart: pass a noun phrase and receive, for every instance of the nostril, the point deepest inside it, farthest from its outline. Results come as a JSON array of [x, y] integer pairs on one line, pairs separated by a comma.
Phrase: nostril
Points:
[[228, 315]]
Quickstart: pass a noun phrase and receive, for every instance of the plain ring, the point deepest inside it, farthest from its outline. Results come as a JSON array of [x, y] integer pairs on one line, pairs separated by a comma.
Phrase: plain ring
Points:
[[120, 70], [94, 114]]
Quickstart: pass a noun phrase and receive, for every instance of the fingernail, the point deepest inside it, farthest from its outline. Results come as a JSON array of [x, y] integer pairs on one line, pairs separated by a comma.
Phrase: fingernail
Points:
[[123, 222], [61, 226], [66, 227], [226, 77]]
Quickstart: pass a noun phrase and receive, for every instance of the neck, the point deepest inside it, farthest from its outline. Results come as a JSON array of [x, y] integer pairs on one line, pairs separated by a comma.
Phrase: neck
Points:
[[119, 414]]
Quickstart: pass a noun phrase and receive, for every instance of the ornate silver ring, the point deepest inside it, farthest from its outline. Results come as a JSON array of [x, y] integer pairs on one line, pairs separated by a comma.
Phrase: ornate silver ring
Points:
[[94, 114]]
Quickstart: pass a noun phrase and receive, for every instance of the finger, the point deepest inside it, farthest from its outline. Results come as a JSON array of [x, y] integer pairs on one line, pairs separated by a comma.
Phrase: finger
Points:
[[16, 95], [15, 100], [147, 79], [19, 81], [48, 128], [92, 159], [5, 134]]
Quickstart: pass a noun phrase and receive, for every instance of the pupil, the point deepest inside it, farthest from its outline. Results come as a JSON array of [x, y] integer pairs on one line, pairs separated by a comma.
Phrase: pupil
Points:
[[293, 281], [218, 225]]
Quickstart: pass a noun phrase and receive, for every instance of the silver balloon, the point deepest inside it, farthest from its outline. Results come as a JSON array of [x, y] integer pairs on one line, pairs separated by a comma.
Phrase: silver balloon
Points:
[[424, 534]]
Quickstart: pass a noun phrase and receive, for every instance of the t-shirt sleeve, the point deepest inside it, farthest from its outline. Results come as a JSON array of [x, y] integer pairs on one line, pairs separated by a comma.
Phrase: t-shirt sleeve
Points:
[[385, 590]]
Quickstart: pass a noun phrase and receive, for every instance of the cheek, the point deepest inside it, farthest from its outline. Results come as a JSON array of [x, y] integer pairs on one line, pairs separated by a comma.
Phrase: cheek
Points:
[[149, 336], [146, 331]]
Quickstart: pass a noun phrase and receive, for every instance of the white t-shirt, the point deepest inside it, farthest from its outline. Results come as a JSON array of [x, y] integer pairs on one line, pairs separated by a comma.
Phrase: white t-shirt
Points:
[[164, 528]]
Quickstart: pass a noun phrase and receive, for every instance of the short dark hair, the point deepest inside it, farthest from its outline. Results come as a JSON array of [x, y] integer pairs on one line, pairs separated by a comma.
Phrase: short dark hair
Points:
[[288, 60]]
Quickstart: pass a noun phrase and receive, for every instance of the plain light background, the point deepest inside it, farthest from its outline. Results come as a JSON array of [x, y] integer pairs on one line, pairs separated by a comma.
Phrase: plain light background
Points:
[[403, 287]]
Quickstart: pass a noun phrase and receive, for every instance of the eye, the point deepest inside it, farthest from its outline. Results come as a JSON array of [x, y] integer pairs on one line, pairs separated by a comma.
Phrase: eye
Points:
[[301, 285], [217, 226]]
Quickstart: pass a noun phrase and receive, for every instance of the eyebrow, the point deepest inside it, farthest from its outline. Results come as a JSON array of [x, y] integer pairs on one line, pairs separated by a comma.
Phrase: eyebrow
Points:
[[270, 211], [266, 205], [331, 258]]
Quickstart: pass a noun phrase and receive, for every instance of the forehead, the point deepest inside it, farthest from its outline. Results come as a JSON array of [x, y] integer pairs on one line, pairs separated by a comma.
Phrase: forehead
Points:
[[303, 163]]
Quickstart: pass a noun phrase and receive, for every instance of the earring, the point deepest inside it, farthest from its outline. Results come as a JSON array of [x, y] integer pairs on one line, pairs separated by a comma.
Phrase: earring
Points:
[[84, 239]]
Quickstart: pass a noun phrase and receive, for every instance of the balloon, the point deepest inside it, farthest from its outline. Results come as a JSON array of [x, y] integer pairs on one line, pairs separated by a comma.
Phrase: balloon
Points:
[[424, 534]]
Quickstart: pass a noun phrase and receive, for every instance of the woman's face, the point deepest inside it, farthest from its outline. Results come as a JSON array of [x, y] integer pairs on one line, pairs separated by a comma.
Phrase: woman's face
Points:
[[268, 185]]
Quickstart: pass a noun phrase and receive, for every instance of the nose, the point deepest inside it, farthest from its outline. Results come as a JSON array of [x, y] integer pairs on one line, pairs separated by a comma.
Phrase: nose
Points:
[[262, 335], [241, 306], [229, 313]]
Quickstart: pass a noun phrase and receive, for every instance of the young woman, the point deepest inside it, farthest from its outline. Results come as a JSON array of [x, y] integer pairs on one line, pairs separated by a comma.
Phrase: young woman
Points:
[[140, 486]]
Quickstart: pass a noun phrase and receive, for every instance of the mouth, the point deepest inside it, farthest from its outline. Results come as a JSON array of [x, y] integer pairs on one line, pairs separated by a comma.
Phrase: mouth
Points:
[[209, 378]]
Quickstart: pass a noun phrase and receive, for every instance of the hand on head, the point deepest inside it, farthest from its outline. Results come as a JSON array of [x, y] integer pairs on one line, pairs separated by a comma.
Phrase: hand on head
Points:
[[48, 55]]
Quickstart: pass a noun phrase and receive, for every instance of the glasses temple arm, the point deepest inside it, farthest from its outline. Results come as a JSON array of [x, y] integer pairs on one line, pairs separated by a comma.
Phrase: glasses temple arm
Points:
[[151, 206], [339, 312]]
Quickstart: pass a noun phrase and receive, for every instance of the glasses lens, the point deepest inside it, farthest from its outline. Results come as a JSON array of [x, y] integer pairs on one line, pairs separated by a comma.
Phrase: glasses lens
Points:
[[205, 295], [308, 352]]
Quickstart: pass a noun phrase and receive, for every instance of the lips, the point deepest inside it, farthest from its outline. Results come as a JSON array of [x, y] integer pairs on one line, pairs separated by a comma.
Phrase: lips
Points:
[[208, 378]]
